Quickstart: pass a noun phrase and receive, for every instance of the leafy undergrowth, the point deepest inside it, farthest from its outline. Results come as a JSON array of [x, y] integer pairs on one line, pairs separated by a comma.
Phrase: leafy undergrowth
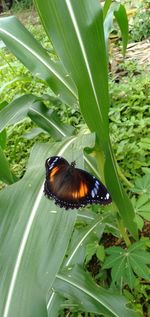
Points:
[[130, 120], [19, 145], [140, 26], [139, 297]]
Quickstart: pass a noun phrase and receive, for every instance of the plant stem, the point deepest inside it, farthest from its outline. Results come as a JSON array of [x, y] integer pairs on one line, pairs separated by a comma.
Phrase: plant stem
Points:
[[100, 163], [122, 176], [123, 232]]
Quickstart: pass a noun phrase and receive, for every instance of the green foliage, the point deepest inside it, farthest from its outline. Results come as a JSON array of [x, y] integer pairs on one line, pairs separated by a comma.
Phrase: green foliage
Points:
[[5, 173], [142, 209], [15, 79], [142, 203], [139, 298], [3, 137], [117, 10], [19, 5], [142, 184], [18, 147], [129, 121], [94, 249], [126, 264], [140, 24]]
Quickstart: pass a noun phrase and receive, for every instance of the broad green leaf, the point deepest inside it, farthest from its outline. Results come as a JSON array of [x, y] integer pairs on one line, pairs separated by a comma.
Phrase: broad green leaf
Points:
[[139, 221], [90, 162], [122, 20], [39, 113], [142, 185], [90, 250], [3, 138], [87, 217], [115, 250], [100, 253], [79, 41], [76, 252], [16, 110], [112, 260], [80, 238], [5, 172], [49, 121], [119, 195], [142, 201], [2, 44], [34, 235], [106, 7], [146, 215], [3, 104], [78, 38], [130, 277], [33, 133], [78, 285], [30, 52], [108, 22], [142, 256], [139, 267], [117, 10], [55, 304], [144, 208], [118, 270], [139, 245]]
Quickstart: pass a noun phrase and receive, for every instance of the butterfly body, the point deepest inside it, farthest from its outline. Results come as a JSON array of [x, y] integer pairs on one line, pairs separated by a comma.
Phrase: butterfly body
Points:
[[72, 187]]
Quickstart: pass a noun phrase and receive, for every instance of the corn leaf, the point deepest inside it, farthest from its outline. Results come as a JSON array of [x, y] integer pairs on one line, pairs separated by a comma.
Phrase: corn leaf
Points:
[[31, 53], [78, 37], [78, 284], [34, 235]]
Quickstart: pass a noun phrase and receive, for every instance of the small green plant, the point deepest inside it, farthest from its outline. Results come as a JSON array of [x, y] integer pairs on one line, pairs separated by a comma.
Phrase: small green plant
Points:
[[19, 5], [139, 298], [140, 25], [127, 264], [142, 203]]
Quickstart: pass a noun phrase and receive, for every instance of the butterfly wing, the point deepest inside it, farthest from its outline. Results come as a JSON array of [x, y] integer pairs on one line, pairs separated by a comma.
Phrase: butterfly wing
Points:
[[55, 166], [71, 187], [62, 182], [97, 192], [56, 183]]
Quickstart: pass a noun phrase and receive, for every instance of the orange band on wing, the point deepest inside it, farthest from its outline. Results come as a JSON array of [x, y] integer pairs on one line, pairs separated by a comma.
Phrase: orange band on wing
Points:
[[54, 171], [75, 194], [82, 191]]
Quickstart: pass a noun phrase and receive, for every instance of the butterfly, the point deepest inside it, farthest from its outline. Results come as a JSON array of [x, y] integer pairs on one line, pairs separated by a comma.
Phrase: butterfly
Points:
[[72, 187]]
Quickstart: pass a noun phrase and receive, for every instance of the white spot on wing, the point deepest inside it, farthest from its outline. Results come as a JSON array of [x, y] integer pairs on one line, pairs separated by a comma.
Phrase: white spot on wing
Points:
[[95, 190], [93, 193], [107, 196], [52, 165], [97, 184]]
